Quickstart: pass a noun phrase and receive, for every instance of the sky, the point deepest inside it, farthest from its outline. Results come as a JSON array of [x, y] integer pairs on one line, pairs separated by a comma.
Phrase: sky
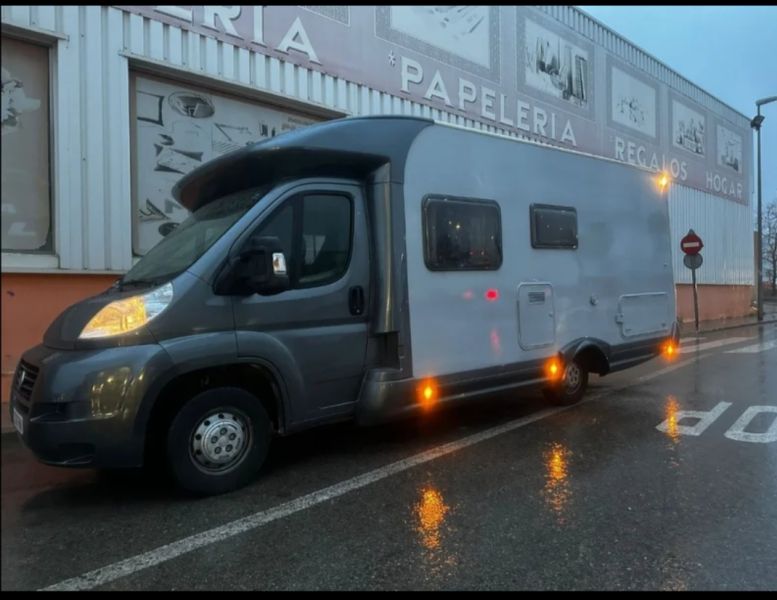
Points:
[[728, 51]]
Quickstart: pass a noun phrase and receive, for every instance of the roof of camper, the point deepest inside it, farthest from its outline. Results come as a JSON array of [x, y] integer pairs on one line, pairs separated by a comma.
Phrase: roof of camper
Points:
[[350, 145], [347, 147]]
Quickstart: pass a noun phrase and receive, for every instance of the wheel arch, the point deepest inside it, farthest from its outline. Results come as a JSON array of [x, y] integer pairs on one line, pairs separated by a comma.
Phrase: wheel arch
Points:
[[259, 378], [592, 354]]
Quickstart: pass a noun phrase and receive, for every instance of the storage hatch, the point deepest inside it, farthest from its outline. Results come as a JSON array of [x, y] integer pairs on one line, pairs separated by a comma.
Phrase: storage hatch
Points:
[[536, 315], [640, 314]]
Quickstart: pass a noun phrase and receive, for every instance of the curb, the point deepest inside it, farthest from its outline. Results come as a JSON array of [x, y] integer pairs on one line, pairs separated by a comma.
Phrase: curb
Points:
[[9, 430], [726, 327]]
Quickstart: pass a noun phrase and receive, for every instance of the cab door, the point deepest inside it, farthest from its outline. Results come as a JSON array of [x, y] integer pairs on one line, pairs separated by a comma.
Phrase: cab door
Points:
[[321, 322]]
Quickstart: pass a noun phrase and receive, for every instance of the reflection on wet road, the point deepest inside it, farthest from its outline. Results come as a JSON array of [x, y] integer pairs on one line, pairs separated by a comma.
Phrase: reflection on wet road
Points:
[[430, 513], [557, 491], [672, 407]]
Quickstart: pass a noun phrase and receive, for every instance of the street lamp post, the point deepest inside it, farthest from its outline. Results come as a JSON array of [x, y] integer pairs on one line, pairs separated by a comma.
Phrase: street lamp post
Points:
[[756, 124]]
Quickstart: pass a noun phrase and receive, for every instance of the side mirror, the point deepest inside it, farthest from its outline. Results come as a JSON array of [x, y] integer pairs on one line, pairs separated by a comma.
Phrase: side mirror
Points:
[[259, 268]]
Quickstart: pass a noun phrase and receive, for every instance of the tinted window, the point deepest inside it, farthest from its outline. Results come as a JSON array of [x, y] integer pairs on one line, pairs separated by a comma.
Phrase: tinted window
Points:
[[315, 232], [326, 238], [553, 226], [281, 225], [461, 234]]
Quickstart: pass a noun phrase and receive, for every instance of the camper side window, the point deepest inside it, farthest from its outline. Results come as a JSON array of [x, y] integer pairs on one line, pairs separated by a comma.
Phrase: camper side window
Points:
[[461, 234], [553, 226]]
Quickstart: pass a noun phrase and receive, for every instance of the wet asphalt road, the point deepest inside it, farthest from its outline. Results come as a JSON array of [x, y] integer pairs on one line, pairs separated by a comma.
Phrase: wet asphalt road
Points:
[[623, 491]]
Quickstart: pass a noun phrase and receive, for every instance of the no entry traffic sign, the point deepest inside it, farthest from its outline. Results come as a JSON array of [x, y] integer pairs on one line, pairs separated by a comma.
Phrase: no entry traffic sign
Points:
[[691, 243]]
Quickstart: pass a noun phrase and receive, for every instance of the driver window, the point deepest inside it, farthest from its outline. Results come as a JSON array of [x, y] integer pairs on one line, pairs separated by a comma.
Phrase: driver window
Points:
[[326, 238], [281, 225], [315, 233]]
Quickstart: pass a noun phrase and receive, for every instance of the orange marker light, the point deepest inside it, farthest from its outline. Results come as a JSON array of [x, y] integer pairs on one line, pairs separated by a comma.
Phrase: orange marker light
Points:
[[427, 393], [670, 351], [553, 370]]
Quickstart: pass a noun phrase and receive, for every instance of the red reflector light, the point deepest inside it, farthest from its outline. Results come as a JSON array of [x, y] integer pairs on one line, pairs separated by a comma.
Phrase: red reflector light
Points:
[[492, 294]]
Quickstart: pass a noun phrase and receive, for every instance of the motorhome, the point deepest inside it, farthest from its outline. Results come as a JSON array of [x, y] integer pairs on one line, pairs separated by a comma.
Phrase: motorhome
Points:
[[363, 268]]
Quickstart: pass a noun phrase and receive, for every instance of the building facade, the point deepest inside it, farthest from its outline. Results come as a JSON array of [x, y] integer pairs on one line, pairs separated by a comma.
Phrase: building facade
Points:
[[104, 108]]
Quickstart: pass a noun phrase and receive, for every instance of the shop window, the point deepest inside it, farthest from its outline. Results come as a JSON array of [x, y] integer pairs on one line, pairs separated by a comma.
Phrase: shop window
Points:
[[26, 190], [177, 127]]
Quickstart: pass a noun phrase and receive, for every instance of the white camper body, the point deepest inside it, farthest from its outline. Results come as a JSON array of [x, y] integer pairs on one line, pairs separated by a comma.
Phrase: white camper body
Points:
[[614, 286]]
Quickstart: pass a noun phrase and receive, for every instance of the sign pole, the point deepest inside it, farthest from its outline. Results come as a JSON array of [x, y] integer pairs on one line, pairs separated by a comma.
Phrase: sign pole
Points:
[[692, 244], [695, 301]]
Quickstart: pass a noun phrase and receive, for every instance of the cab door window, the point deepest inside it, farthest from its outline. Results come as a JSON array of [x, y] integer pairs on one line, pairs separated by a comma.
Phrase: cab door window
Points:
[[281, 226], [316, 233], [325, 239]]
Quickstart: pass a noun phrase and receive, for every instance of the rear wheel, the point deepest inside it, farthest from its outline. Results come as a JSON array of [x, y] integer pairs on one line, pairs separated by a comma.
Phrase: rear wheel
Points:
[[218, 441], [571, 388]]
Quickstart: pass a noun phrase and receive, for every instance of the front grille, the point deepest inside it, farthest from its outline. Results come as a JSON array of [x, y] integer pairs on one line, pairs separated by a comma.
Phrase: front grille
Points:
[[26, 375]]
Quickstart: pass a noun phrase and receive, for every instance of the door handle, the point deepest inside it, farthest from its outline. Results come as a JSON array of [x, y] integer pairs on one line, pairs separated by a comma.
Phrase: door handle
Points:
[[356, 300]]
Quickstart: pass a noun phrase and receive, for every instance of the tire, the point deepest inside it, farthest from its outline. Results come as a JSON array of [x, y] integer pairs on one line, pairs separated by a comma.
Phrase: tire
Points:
[[199, 453], [571, 388]]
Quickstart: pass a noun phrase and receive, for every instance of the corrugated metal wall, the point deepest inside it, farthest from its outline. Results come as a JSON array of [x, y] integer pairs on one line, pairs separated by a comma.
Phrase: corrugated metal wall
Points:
[[91, 129], [91, 154], [725, 227], [603, 36]]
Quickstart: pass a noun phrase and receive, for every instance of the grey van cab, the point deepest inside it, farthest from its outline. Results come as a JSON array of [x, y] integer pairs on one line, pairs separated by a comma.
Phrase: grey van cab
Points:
[[363, 268]]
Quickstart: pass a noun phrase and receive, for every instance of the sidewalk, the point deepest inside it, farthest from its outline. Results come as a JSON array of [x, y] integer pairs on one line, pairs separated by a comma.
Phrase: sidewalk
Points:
[[686, 330], [770, 316]]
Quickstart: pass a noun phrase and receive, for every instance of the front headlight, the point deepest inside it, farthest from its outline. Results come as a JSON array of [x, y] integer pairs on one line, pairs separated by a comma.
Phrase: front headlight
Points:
[[123, 316]]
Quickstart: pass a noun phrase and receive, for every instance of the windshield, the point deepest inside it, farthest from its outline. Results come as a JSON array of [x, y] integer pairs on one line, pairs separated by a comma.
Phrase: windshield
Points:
[[177, 251]]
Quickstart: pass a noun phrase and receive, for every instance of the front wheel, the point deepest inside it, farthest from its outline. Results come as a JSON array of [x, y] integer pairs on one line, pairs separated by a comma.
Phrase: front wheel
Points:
[[571, 388], [218, 441]]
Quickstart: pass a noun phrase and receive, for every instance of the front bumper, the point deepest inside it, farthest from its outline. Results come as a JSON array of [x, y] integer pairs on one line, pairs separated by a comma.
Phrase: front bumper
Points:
[[82, 408]]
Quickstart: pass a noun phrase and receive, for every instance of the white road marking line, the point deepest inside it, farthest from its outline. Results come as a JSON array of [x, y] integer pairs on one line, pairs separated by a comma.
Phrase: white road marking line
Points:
[[755, 348], [710, 345], [705, 419], [690, 361], [688, 340], [669, 369], [170, 551], [737, 430]]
